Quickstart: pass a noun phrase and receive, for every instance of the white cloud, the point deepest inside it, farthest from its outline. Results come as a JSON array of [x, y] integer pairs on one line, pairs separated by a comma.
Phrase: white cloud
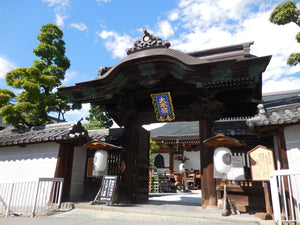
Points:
[[5, 66], [201, 13], [60, 8], [60, 20], [74, 115], [215, 23], [202, 39], [165, 29], [63, 3], [69, 77], [116, 43], [283, 84], [103, 0], [205, 24], [270, 39], [173, 15], [79, 26]]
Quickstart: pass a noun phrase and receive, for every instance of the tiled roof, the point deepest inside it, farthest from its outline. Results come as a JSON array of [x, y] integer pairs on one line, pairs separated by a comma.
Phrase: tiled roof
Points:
[[176, 129], [52, 132], [283, 111], [190, 130], [107, 135], [178, 138], [280, 95], [231, 126], [236, 52]]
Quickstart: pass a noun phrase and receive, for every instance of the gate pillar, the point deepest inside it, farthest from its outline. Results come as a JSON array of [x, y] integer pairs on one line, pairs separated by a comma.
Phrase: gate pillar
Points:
[[130, 158], [136, 176], [208, 183]]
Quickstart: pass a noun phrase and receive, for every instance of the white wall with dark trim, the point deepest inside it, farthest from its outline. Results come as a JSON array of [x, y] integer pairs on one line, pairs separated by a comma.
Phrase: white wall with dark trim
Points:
[[292, 139], [29, 162]]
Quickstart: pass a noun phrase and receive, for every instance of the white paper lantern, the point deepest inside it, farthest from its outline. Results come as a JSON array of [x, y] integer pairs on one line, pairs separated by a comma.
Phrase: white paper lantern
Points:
[[181, 168], [222, 159], [100, 160]]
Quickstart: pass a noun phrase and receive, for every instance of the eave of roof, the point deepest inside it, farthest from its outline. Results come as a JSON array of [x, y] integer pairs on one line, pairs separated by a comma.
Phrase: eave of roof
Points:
[[277, 112], [230, 50], [67, 131], [108, 81], [187, 131], [106, 135]]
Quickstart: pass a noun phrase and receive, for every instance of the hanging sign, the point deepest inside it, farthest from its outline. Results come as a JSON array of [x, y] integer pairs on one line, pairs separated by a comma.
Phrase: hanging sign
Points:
[[163, 106]]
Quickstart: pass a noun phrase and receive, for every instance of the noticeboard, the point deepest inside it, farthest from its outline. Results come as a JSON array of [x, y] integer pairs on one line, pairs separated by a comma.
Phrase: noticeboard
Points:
[[237, 171], [262, 163], [107, 190]]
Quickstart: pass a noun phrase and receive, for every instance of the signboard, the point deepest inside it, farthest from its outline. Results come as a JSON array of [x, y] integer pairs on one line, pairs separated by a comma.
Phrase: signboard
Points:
[[237, 171], [107, 190], [163, 106], [262, 163]]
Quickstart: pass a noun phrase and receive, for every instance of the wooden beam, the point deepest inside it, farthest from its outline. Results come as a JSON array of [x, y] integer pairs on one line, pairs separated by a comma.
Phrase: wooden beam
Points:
[[282, 150], [267, 192]]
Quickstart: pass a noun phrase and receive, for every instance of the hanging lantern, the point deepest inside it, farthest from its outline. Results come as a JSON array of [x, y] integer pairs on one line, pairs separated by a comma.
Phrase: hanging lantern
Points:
[[222, 159], [100, 160], [181, 168]]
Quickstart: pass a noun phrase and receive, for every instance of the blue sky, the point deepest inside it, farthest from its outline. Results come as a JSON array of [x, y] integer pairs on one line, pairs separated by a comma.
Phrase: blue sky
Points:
[[98, 32]]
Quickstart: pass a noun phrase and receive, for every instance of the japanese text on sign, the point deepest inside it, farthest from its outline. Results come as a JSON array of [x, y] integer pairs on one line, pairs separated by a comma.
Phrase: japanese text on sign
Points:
[[107, 189], [262, 163], [163, 106]]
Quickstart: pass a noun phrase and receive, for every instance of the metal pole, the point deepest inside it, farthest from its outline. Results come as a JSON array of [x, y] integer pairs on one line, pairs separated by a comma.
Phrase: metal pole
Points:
[[9, 200], [225, 196], [60, 192], [225, 212], [35, 198]]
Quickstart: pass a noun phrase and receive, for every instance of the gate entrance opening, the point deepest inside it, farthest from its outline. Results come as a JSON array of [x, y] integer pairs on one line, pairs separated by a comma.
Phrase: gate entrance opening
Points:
[[204, 86]]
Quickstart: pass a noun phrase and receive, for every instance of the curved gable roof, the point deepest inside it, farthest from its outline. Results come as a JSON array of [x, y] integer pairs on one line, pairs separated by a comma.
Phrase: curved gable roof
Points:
[[220, 82]]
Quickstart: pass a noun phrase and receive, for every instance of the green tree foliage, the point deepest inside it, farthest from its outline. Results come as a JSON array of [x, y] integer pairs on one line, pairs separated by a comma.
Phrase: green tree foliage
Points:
[[98, 119], [38, 95], [153, 149], [283, 14]]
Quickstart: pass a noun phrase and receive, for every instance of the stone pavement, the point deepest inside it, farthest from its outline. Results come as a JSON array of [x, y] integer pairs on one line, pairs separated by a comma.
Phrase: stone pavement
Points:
[[186, 205]]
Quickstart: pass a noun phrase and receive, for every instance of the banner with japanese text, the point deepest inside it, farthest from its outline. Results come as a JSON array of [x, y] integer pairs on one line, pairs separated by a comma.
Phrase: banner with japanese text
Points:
[[163, 106]]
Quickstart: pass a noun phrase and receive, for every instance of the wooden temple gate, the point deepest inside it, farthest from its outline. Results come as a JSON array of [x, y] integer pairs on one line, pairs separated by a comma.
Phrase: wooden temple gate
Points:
[[204, 86]]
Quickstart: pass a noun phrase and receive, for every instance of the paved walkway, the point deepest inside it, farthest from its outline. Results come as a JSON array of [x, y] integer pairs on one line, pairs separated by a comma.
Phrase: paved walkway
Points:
[[186, 205]]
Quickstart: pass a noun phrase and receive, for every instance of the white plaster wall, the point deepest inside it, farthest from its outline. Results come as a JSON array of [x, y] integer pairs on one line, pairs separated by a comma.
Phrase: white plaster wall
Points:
[[78, 170], [29, 162], [292, 138], [194, 160]]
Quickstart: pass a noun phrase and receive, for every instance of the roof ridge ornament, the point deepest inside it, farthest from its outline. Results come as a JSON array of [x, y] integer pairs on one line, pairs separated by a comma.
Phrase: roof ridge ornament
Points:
[[147, 41]]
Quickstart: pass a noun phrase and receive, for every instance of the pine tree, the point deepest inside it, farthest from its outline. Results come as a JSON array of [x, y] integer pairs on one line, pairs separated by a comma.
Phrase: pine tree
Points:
[[38, 83], [98, 119], [285, 13]]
